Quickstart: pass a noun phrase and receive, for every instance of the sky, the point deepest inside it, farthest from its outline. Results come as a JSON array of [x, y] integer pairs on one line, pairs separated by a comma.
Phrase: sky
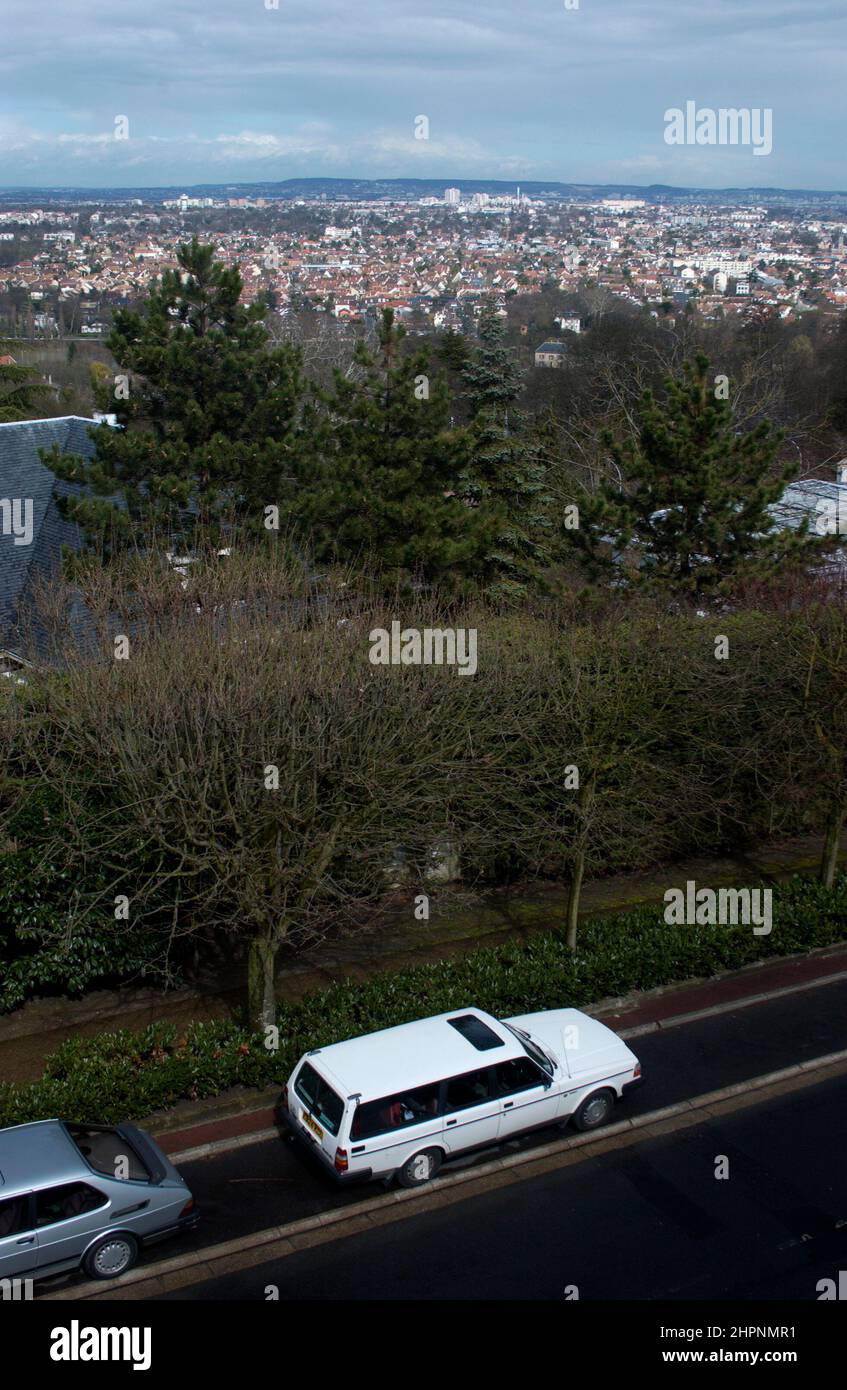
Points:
[[217, 91]]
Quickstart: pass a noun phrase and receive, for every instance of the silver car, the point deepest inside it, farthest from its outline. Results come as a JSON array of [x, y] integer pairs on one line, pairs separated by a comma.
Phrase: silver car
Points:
[[84, 1197]]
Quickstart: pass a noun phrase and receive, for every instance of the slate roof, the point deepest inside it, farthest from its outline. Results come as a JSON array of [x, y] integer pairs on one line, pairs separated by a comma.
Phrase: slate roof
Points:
[[24, 476], [823, 505], [813, 500]]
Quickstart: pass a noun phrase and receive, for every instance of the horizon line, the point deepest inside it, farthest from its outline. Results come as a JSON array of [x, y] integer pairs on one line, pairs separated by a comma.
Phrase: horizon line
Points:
[[448, 180]]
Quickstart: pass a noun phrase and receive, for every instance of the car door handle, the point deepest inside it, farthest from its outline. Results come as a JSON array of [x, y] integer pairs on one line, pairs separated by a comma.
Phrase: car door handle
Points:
[[451, 1122], [27, 1240], [127, 1211], [507, 1104]]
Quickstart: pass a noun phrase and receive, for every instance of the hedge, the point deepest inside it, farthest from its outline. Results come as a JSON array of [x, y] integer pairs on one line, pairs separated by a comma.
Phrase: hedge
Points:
[[125, 1074], [45, 948]]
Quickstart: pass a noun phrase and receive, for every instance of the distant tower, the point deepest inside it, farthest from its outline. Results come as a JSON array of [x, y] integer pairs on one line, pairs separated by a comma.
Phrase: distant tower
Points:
[[452, 197]]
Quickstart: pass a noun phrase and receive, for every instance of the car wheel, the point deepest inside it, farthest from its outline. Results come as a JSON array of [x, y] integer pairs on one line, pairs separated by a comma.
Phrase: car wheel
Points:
[[111, 1256], [420, 1168], [594, 1110]]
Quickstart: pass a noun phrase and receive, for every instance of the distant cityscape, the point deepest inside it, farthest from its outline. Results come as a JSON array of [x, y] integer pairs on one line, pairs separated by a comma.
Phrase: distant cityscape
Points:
[[434, 257]]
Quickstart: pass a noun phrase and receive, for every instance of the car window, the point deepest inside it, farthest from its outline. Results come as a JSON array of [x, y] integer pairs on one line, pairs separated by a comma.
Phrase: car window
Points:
[[61, 1203], [395, 1112], [471, 1089], [319, 1098], [517, 1075], [108, 1153], [14, 1216]]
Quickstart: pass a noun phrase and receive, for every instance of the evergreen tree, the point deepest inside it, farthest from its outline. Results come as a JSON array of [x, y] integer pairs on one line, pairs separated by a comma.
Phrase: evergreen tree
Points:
[[506, 471], [383, 481], [209, 408], [492, 375], [17, 389], [691, 506]]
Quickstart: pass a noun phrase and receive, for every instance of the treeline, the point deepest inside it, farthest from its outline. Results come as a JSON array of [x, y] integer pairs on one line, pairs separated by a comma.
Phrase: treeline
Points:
[[425, 466], [225, 764], [203, 755]]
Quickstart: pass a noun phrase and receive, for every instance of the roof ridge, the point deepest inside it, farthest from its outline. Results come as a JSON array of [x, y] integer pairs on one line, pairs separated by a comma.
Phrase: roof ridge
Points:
[[49, 420]]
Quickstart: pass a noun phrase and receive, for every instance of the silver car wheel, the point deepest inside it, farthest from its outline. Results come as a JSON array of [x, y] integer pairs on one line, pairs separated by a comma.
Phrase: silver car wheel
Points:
[[113, 1257], [596, 1110]]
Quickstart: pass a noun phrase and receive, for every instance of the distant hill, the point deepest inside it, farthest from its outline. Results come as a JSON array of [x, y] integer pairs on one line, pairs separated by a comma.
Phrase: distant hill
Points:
[[369, 190]]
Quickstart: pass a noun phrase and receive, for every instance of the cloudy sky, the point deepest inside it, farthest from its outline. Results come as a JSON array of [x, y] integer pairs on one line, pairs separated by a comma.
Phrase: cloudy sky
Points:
[[235, 90]]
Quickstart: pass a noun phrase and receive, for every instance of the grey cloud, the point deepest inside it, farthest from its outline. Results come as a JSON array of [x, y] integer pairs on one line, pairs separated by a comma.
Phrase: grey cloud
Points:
[[334, 85]]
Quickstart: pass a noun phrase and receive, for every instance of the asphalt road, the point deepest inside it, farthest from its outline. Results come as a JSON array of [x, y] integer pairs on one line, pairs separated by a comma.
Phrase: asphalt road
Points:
[[651, 1221], [270, 1183]]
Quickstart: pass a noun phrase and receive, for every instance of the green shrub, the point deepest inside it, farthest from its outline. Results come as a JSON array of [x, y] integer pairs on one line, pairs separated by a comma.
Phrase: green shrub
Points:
[[57, 931], [43, 950], [123, 1075]]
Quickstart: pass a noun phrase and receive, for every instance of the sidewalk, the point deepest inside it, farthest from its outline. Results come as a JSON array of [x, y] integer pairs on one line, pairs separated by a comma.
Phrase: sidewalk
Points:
[[225, 1121], [458, 924]]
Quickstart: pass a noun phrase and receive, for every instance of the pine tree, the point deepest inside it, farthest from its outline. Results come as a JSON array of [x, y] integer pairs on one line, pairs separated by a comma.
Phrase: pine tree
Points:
[[18, 391], [691, 506], [506, 469], [382, 483], [209, 408]]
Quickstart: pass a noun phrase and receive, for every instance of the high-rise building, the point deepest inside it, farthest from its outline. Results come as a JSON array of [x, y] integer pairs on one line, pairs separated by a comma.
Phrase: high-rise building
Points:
[[453, 196]]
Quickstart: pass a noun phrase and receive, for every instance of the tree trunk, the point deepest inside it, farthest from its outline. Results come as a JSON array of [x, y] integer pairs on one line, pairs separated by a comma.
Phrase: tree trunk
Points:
[[829, 858], [584, 802], [261, 973], [573, 896]]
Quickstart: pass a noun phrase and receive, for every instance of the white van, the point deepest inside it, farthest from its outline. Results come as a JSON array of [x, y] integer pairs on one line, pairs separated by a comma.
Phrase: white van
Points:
[[400, 1102]]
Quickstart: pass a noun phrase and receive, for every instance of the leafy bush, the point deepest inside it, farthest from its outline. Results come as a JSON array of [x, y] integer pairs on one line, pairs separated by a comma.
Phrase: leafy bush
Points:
[[57, 931], [44, 949], [124, 1074]]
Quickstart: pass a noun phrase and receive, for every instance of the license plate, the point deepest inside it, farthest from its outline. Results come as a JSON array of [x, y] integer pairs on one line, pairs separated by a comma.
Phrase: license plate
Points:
[[312, 1124]]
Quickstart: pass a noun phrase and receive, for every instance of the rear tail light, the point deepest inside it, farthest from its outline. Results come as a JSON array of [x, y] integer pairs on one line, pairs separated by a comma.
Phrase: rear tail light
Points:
[[637, 1072], [341, 1164], [188, 1208]]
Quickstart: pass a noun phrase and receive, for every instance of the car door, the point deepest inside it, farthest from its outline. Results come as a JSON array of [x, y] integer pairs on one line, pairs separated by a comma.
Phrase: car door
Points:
[[68, 1217], [471, 1111], [18, 1237], [527, 1095]]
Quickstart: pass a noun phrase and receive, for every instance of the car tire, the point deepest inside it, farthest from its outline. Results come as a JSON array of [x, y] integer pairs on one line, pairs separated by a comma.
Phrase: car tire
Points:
[[420, 1169], [111, 1256], [594, 1111]]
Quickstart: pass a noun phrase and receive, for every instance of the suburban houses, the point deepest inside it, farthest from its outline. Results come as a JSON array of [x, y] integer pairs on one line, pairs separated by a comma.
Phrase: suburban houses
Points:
[[431, 259]]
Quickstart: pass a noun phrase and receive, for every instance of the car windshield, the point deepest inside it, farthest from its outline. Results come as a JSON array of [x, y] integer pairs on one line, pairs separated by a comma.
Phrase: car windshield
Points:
[[531, 1048]]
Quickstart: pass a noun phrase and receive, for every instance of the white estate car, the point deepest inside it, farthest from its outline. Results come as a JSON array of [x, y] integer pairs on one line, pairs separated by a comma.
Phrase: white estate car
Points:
[[401, 1101]]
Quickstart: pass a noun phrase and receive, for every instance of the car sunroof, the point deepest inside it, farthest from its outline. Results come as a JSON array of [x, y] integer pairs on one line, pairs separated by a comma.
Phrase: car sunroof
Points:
[[477, 1033]]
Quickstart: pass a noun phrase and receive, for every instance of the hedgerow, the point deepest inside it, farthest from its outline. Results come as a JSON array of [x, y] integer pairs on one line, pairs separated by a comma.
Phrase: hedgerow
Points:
[[127, 1074]]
